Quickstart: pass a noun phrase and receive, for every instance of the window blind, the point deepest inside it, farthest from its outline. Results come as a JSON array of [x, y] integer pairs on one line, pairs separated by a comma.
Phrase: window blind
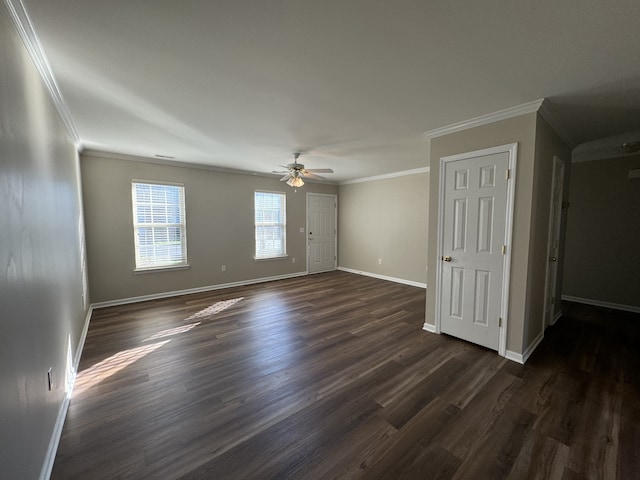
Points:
[[159, 225], [270, 224]]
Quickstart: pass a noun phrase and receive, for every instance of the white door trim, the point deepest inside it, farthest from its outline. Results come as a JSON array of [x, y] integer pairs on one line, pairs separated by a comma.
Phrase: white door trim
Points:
[[554, 235], [335, 227], [512, 150]]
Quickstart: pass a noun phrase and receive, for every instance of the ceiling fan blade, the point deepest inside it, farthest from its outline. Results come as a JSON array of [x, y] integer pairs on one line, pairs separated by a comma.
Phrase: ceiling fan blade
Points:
[[286, 177], [319, 170], [308, 174]]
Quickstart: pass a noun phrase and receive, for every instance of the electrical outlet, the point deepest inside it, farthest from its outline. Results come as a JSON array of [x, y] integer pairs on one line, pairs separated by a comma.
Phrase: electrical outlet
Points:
[[223, 268], [379, 261], [50, 378], [301, 229], [293, 260]]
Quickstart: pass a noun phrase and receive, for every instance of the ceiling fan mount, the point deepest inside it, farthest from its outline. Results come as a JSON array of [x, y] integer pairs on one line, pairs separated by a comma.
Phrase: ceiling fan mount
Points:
[[295, 172]]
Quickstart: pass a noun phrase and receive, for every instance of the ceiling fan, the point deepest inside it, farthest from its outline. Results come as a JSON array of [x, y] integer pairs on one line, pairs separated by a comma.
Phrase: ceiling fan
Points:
[[296, 171]]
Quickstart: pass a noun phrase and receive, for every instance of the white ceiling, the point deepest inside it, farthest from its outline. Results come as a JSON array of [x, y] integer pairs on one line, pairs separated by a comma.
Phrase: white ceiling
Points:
[[243, 84]]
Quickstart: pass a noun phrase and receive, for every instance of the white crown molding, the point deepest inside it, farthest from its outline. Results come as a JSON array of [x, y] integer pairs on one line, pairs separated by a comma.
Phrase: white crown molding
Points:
[[587, 156], [177, 163], [87, 152], [605, 148], [386, 176], [547, 112], [29, 37], [486, 119]]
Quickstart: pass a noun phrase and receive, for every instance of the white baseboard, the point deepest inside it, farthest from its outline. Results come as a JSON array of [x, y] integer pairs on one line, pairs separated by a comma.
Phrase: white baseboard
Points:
[[523, 357], [515, 357], [530, 349], [208, 288], [52, 449], [429, 328], [384, 277], [47, 467], [600, 303], [45, 473], [81, 340], [50, 457], [556, 317]]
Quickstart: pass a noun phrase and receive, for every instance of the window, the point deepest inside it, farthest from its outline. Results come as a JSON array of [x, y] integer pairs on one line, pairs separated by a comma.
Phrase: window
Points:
[[159, 225], [270, 225]]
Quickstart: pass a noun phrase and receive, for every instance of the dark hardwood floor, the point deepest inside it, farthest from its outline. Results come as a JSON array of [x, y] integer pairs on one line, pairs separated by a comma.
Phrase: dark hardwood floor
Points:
[[331, 376]]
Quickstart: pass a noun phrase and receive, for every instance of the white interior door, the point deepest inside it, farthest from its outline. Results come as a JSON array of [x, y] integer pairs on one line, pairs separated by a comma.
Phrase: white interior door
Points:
[[321, 232], [555, 218], [476, 203]]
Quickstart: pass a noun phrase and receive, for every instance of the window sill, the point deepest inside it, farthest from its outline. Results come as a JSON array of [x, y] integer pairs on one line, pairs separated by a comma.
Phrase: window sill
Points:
[[263, 259], [162, 269]]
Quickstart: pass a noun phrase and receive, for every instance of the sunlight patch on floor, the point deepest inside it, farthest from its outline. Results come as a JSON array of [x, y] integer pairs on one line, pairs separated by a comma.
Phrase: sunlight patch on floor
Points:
[[86, 379], [172, 331], [214, 309], [112, 365]]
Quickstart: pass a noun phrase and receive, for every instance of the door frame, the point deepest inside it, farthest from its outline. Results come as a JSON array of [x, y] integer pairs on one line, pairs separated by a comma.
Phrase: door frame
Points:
[[512, 150], [335, 227], [554, 230]]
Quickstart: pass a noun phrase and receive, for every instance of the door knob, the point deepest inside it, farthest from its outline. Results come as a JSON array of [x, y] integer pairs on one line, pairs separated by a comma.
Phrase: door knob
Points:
[[446, 258], [553, 259]]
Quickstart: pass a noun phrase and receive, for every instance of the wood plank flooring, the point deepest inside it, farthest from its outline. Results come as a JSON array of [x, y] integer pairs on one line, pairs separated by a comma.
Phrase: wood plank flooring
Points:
[[331, 377]]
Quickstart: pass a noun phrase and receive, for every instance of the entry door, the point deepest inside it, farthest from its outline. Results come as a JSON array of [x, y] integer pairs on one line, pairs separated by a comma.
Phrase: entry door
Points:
[[473, 247], [321, 232], [555, 217]]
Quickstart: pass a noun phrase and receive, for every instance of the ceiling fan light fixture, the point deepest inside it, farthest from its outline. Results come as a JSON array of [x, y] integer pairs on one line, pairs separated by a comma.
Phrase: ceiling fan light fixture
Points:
[[295, 172], [295, 182]]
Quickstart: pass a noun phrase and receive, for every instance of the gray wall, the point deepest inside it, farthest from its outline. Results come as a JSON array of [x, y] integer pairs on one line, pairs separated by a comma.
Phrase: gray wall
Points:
[[548, 144], [521, 130], [219, 211], [537, 143], [42, 309], [602, 260], [385, 219]]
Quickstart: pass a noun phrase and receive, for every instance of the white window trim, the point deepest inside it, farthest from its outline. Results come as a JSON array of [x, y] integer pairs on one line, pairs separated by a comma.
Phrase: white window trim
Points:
[[182, 266], [183, 229], [284, 229], [267, 259]]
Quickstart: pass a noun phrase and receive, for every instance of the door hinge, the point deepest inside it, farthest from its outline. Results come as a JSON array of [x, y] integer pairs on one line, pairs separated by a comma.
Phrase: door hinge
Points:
[[507, 174], [504, 249], [499, 322]]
